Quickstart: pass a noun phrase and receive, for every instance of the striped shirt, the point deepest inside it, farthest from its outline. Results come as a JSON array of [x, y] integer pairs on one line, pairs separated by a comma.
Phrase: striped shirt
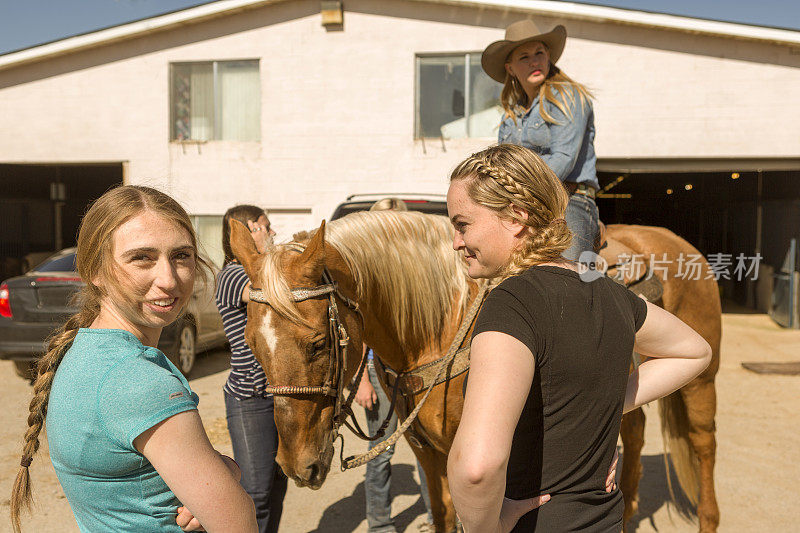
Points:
[[247, 378]]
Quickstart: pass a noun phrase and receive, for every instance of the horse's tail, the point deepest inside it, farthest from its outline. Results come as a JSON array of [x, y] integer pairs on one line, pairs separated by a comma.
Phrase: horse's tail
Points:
[[675, 432]]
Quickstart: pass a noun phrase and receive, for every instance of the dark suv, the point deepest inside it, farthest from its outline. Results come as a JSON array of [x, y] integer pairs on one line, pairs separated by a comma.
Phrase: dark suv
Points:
[[435, 204]]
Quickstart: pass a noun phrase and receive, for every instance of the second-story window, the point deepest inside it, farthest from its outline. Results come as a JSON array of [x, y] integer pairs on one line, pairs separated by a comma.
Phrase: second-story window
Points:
[[215, 100], [456, 98]]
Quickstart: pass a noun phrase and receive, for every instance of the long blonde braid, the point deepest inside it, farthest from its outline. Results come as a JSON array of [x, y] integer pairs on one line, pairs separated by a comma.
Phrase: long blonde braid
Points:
[[58, 344]]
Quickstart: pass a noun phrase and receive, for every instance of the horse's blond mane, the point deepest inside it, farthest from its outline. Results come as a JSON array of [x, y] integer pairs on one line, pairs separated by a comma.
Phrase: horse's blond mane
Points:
[[404, 261]]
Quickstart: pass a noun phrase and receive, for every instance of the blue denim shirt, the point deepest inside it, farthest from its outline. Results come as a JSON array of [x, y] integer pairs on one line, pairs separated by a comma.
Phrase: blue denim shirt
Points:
[[566, 147]]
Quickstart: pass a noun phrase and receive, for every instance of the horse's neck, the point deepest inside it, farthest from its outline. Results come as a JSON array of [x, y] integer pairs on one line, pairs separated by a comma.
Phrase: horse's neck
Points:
[[380, 336], [376, 334]]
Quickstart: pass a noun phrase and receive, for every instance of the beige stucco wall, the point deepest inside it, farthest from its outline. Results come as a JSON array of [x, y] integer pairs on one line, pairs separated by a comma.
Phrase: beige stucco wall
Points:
[[338, 106]]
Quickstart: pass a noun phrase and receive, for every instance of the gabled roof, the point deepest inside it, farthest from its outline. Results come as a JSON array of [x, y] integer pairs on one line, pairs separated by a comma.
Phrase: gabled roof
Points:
[[552, 8], [130, 30]]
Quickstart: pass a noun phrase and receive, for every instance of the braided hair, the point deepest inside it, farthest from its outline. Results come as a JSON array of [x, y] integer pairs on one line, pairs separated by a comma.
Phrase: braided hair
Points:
[[506, 176], [95, 261]]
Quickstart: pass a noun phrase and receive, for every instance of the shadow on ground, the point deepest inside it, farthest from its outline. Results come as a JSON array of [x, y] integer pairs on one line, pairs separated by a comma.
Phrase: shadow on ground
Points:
[[211, 362], [345, 515], [654, 494]]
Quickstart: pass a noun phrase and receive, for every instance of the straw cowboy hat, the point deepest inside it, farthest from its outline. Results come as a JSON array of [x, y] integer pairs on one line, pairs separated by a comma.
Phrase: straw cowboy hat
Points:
[[494, 57]]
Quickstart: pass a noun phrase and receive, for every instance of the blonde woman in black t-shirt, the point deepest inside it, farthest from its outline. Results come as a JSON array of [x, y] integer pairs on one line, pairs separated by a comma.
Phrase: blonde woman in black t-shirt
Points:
[[548, 378]]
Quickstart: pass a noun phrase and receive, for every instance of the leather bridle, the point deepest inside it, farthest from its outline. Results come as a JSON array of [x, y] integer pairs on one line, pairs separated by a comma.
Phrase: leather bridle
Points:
[[334, 384]]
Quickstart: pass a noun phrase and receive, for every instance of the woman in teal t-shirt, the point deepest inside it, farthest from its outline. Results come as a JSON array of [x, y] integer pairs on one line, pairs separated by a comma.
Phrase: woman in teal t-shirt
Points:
[[124, 433]]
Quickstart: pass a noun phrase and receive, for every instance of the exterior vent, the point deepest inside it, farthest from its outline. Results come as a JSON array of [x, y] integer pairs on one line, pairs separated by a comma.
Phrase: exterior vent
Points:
[[331, 11]]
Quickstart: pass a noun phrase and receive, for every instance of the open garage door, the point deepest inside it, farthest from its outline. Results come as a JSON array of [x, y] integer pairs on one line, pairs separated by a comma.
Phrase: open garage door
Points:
[[726, 209], [41, 207]]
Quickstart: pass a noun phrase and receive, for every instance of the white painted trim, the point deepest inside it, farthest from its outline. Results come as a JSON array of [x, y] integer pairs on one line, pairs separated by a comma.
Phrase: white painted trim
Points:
[[545, 7], [637, 18], [126, 31]]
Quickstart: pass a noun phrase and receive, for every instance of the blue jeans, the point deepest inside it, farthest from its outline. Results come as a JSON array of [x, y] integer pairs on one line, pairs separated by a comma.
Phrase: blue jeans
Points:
[[251, 424], [378, 478], [583, 221]]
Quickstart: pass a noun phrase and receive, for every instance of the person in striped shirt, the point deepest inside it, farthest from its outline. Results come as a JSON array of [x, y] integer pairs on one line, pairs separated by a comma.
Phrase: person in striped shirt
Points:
[[249, 409]]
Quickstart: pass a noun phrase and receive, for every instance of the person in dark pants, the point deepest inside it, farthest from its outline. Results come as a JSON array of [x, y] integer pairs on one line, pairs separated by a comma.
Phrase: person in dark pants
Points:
[[249, 409], [255, 442]]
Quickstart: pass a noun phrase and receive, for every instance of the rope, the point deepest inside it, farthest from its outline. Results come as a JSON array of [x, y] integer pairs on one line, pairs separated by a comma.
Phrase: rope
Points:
[[288, 390], [466, 324], [306, 293]]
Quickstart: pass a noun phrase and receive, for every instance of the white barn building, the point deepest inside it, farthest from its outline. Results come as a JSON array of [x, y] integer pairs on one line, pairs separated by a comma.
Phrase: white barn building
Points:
[[269, 102]]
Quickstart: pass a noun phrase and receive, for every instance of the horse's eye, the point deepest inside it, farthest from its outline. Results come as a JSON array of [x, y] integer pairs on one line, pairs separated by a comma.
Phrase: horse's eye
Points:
[[314, 347]]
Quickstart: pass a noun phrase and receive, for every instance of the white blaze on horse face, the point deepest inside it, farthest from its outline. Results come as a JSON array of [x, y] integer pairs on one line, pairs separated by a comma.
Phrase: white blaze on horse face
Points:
[[269, 332]]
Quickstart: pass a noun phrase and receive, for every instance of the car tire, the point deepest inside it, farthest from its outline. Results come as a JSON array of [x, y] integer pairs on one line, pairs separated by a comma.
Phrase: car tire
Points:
[[26, 369], [184, 354]]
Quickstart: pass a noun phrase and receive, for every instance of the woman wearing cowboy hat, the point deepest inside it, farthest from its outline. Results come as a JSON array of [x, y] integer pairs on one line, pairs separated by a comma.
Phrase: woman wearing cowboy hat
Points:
[[552, 115]]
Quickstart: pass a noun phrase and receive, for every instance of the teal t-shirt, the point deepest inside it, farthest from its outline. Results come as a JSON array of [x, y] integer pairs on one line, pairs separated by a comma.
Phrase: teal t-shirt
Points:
[[109, 389]]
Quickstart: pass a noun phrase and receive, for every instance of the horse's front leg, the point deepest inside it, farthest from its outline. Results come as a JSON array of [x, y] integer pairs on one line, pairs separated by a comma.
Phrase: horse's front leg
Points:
[[632, 433], [700, 398], [434, 463]]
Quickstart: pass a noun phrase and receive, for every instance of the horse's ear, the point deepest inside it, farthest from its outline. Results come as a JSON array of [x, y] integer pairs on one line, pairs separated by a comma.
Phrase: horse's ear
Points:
[[313, 257], [244, 247]]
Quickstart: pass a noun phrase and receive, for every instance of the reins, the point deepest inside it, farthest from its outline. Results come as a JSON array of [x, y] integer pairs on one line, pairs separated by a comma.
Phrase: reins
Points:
[[337, 367], [466, 325], [334, 381]]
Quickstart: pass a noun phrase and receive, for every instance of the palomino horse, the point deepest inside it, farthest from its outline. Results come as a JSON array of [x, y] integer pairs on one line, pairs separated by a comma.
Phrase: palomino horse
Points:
[[400, 289], [411, 289]]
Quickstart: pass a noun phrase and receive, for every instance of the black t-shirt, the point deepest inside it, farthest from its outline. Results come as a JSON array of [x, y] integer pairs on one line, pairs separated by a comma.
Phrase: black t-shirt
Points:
[[581, 334]]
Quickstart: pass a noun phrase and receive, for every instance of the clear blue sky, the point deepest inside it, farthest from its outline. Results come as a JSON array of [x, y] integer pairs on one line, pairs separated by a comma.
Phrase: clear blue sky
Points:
[[25, 23]]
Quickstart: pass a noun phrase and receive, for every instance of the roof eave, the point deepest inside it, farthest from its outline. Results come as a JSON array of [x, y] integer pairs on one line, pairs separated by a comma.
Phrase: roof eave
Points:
[[544, 7], [129, 31], [595, 13]]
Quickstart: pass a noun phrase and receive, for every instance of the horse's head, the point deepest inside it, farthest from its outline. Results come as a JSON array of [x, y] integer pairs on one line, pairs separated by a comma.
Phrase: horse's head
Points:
[[292, 339]]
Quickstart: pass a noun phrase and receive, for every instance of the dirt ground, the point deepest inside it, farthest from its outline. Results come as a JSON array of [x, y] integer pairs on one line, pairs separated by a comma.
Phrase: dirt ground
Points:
[[758, 455]]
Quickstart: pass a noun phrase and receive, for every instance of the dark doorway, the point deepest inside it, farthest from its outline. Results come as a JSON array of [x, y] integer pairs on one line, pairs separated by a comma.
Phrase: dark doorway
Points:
[[41, 207], [718, 212]]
